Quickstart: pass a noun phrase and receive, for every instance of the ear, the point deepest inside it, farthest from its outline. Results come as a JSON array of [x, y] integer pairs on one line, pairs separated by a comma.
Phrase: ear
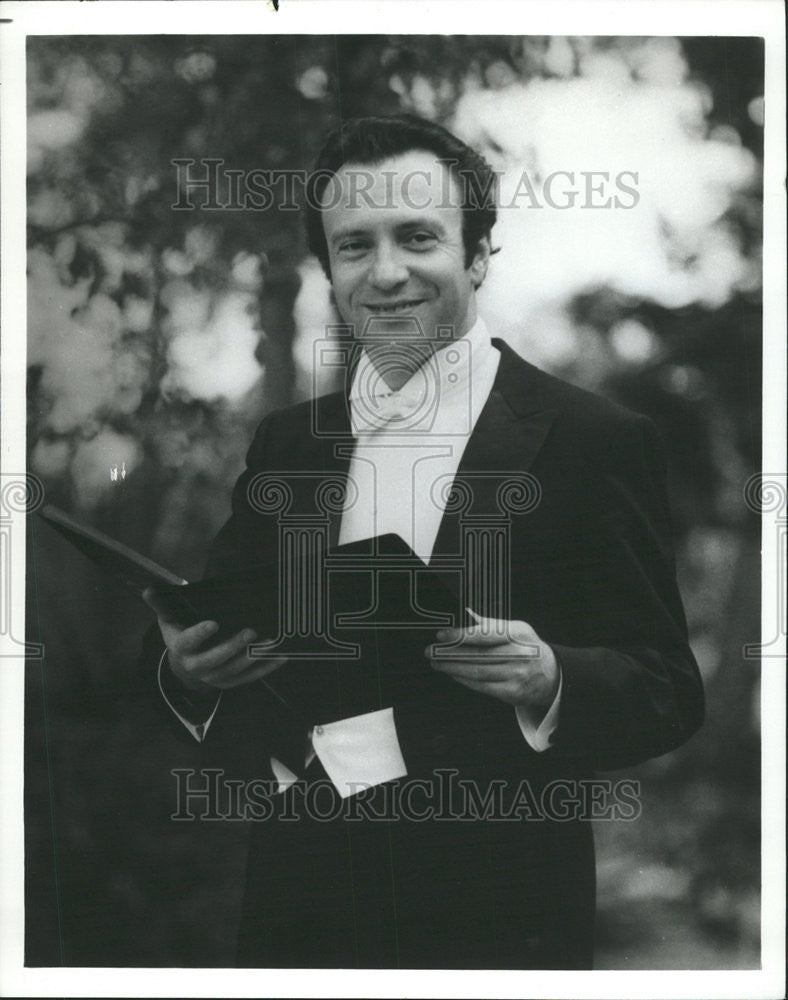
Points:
[[480, 262]]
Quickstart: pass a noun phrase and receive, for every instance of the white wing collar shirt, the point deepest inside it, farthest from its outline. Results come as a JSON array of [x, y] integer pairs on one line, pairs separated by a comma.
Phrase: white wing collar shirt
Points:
[[409, 444]]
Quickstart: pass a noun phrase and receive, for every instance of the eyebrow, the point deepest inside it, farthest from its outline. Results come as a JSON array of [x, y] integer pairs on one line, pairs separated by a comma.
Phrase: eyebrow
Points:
[[402, 227]]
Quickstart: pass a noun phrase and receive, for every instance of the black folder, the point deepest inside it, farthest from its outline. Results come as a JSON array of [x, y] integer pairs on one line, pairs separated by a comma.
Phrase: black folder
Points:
[[355, 646], [316, 603]]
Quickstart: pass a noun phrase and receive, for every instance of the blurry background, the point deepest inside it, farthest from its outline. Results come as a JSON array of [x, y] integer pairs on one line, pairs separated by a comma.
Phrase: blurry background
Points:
[[159, 338]]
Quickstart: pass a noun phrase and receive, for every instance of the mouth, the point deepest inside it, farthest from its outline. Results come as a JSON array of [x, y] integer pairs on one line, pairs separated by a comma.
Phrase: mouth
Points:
[[392, 308]]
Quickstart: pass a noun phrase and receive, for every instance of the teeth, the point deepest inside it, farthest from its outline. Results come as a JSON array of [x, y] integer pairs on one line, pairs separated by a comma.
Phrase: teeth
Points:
[[393, 308]]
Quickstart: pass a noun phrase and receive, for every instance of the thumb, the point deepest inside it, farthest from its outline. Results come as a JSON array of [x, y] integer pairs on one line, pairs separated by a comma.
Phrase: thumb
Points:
[[485, 631], [489, 631]]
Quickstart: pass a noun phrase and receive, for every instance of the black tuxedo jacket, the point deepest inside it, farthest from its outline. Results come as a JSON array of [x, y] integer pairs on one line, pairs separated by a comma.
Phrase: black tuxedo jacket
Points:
[[591, 568]]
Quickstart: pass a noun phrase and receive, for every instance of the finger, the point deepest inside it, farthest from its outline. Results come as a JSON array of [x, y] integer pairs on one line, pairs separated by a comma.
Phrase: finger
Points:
[[264, 649], [482, 654], [502, 690], [226, 669], [493, 633], [186, 641], [475, 670], [486, 631], [473, 635], [216, 656], [243, 661], [256, 671]]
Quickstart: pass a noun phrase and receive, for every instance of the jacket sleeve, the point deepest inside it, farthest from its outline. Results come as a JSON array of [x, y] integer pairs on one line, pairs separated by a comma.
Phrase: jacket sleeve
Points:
[[632, 690], [232, 548], [226, 551], [260, 716]]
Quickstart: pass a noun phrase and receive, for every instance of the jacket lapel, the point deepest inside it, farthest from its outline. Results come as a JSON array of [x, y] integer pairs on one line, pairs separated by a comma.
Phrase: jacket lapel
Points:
[[506, 440], [331, 447]]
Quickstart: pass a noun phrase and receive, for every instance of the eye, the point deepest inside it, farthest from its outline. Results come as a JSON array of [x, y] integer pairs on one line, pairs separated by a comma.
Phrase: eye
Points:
[[352, 248], [421, 240]]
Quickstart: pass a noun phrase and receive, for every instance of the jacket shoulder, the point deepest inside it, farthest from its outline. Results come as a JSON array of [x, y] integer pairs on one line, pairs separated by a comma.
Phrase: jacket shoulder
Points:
[[301, 416], [588, 427], [289, 428]]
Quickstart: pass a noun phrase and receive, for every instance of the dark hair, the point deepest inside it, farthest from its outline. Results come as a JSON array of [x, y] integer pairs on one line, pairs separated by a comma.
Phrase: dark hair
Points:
[[373, 139]]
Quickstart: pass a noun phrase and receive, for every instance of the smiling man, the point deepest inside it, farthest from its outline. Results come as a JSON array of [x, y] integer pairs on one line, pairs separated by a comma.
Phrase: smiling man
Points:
[[399, 264], [457, 768]]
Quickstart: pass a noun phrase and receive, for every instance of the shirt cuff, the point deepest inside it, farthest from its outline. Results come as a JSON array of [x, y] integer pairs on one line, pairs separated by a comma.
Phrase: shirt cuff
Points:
[[539, 737], [360, 752], [199, 729]]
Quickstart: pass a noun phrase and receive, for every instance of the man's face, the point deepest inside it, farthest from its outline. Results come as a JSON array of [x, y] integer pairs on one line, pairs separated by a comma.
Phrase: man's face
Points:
[[396, 251]]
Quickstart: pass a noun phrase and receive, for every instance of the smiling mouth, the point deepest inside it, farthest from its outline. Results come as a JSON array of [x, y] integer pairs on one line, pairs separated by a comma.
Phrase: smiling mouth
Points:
[[392, 308]]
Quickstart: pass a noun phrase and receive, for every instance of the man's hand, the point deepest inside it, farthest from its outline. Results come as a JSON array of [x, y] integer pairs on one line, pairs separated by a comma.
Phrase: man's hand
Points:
[[506, 660], [208, 669]]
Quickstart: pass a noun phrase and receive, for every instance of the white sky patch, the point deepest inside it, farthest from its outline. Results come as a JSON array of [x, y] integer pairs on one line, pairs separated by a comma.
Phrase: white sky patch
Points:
[[633, 342], [95, 356], [211, 354], [632, 113], [312, 312], [79, 90], [88, 371], [50, 457]]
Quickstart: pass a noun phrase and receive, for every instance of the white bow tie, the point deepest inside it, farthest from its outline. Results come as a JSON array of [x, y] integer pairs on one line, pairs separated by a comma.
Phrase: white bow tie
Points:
[[374, 413]]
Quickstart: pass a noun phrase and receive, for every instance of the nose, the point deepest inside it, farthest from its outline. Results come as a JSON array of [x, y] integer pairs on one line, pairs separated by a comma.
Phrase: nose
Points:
[[388, 269]]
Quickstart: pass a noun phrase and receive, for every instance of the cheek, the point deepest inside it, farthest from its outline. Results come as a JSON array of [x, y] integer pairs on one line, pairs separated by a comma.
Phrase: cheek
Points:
[[345, 280], [454, 288], [340, 286], [446, 272]]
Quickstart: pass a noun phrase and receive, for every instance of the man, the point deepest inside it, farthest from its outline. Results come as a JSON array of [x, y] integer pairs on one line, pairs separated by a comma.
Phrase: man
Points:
[[577, 658]]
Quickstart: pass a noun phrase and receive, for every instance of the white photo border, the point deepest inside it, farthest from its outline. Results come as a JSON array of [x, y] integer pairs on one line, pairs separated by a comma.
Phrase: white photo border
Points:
[[227, 17]]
